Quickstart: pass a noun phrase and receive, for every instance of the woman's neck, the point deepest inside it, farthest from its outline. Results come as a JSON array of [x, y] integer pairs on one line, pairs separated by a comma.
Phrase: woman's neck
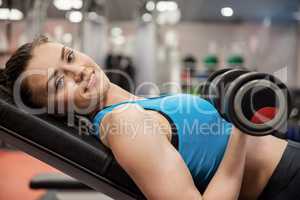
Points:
[[116, 94]]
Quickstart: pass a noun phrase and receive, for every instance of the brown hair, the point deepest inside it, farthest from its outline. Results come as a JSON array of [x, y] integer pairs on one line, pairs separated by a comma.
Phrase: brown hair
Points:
[[16, 65]]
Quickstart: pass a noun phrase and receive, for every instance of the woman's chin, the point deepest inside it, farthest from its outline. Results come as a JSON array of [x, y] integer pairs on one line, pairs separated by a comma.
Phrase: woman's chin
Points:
[[92, 94], [97, 92]]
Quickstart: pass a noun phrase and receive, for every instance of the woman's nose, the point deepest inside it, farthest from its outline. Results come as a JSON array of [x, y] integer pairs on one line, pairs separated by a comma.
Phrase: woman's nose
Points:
[[78, 77]]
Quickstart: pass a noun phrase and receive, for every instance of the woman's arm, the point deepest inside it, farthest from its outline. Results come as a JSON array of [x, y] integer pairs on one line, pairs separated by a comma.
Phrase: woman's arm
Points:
[[148, 157], [158, 169], [227, 181]]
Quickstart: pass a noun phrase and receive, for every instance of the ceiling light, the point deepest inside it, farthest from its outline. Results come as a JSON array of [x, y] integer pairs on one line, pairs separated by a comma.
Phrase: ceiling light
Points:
[[119, 40], [74, 16], [226, 12], [147, 17], [116, 31], [163, 6], [4, 13], [150, 5], [15, 14], [77, 4], [67, 38], [63, 4], [67, 4], [169, 17], [10, 14], [93, 16]]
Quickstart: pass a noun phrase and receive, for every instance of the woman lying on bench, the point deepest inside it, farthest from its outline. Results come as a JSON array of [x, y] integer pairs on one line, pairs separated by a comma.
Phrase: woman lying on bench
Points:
[[173, 146]]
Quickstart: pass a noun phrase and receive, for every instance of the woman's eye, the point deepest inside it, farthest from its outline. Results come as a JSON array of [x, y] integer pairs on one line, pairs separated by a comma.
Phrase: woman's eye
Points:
[[60, 83], [70, 57]]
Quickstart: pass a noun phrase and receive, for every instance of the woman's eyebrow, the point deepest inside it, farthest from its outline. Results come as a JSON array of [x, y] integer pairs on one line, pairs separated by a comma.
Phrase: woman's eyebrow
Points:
[[62, 56]]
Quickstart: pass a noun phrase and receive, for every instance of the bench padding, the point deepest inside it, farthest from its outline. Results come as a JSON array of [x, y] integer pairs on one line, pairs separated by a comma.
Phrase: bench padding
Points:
[[52, 141]]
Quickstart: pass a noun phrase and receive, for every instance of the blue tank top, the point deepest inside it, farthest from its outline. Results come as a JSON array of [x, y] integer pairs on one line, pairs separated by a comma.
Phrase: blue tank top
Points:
[[202, 134]]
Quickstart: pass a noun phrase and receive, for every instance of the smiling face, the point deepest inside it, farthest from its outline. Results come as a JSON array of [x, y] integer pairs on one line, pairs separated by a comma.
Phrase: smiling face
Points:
[[65, 78]]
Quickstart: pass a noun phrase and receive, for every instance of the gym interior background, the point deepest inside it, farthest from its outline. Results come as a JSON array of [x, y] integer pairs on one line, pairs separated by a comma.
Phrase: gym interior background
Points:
[[151, 43]]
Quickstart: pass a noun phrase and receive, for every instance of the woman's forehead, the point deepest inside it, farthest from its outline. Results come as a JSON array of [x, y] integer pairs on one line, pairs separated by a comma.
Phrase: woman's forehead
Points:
[[37, 83], [38, 87], [45, 56]]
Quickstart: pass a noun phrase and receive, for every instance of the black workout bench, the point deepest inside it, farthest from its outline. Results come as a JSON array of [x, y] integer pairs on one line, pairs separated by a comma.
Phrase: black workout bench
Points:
[[53, 142]]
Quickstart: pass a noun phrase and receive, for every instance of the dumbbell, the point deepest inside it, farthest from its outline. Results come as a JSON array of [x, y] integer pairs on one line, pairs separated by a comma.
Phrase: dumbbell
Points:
[[256, 103], [217, 86]]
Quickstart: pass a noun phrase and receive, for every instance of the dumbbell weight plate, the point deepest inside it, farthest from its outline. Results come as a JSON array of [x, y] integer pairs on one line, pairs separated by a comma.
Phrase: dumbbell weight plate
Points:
[[205, 87], [233, 103], [219, 86]]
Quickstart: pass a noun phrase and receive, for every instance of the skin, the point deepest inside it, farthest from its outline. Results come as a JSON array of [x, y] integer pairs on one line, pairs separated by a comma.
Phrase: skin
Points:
[[147, 154], [63, 77]]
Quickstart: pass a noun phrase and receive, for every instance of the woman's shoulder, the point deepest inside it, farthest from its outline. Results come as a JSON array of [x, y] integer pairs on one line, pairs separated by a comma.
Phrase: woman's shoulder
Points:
[[189, 100], [124, 112], [120, 118]]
